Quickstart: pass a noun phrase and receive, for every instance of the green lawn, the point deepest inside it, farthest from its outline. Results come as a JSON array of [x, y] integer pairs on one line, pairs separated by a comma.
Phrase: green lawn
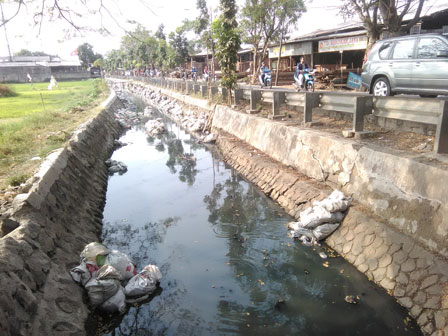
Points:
[[31, 128], [29, 99]]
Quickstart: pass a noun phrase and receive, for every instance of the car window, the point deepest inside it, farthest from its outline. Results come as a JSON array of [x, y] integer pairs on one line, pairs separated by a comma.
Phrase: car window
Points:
[[384, 50], [403, 49], [428, 47]]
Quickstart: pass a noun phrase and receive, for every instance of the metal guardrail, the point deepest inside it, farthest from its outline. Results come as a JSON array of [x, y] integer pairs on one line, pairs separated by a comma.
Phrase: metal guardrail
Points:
[[425, 111]]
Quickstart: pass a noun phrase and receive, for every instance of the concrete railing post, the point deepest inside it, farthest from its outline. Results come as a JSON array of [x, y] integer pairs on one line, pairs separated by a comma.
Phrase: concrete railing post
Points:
[[441, 140], [225, 93], [213, 91], [238, 95], [278, 98], [196, 88], [183, 87], [363, 106], [311, 101], [204, 91], [189, 88], [255, 99]]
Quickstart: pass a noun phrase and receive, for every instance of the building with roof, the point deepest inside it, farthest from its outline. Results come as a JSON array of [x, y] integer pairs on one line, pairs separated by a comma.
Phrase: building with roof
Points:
[[40, 68], [344, 46]]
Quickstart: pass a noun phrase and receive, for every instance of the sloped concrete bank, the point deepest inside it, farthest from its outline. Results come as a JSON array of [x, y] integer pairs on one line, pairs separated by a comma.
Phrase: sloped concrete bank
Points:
[[56, 217], [396, 231]]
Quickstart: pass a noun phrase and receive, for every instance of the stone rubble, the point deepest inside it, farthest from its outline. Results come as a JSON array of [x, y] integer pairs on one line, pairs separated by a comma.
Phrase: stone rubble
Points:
[[191, 121], [155, 127], [114, 166]]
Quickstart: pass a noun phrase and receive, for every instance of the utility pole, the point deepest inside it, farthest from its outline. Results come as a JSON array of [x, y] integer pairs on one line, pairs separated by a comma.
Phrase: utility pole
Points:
[[6, 35]]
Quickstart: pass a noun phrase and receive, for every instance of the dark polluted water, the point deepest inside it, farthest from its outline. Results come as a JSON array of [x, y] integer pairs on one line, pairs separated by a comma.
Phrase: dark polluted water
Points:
[[228, 266]]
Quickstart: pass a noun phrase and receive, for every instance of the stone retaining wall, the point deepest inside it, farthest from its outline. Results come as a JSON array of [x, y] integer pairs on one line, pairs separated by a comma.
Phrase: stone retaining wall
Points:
[[416, 277], [398, 187], [56, 218]]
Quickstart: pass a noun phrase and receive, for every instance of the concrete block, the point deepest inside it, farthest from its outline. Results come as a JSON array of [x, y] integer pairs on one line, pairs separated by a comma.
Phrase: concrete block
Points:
[[312, 123], [364, 135], [276, 117], [348, 133]]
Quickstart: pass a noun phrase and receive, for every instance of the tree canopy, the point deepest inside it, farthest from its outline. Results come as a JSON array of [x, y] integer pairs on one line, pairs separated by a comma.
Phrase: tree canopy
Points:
[[86, 54], [264, 21], [26, 52], [228, 43], [387, 15]]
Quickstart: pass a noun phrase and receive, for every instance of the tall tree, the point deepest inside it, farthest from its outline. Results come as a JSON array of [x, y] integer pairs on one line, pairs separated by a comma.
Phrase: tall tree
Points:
[[180, 46], [264, 21], [160, 32], [228, 44], [377, 15], [86, 54], [202, 27]]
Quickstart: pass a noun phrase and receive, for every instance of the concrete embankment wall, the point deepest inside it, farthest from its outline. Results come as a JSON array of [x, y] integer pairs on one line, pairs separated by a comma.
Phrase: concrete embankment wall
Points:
[[394, 233], [57, 217], [405, 192]]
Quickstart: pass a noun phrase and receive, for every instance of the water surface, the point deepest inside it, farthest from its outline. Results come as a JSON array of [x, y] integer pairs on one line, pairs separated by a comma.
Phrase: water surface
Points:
[[228, 266]]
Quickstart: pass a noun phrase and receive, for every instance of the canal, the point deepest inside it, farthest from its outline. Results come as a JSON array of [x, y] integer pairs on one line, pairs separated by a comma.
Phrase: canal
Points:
[[228, 265]]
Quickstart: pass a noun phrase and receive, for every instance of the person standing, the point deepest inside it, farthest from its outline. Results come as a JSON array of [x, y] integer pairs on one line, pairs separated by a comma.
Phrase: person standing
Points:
[[30, 79]]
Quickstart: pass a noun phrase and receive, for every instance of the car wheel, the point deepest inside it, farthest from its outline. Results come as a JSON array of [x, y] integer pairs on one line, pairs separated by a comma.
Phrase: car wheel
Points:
[[428, 96], [381, 87]]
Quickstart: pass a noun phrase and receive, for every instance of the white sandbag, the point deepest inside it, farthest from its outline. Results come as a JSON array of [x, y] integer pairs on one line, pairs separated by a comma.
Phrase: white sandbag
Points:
[[141, 284], [337, 201], [116, 303], [81, 274], [92, 250], [122, 263], [101, 290], [316, 215], [154, 272], [324, 230], [108, 272]]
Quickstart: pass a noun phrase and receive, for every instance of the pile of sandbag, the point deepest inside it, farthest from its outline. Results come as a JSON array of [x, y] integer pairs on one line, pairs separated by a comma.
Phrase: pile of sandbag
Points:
[[111, 279], [321, 219]]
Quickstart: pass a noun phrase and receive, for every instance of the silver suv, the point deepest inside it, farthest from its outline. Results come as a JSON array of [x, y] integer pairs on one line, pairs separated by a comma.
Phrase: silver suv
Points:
[[416, 64]]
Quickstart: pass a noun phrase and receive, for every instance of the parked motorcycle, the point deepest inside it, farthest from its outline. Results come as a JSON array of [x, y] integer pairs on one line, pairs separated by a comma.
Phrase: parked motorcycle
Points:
[[308, 81], [267, 82]]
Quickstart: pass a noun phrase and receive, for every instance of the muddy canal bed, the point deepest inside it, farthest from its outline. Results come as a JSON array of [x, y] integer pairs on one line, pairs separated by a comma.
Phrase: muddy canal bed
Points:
[[228, 265]]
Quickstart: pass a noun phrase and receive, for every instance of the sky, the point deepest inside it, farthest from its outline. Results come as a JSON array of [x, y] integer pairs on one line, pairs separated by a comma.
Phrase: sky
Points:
[[54, 38]]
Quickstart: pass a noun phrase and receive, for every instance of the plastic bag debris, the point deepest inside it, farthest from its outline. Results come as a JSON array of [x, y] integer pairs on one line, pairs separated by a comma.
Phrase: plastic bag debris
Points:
[[122, 263], [108, 272], [321, 219], [92, 250], [117, 302], [83, 272], [103, 273], [144, 282], [154, 272]]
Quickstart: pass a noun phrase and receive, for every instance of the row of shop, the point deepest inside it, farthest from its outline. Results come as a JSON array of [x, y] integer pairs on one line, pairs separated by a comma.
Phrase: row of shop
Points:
[[337, 50]]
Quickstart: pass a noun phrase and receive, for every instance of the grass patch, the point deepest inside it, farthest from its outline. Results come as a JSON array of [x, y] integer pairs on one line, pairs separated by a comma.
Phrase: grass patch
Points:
[[17, 179], [30, 128], [6, 91]]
